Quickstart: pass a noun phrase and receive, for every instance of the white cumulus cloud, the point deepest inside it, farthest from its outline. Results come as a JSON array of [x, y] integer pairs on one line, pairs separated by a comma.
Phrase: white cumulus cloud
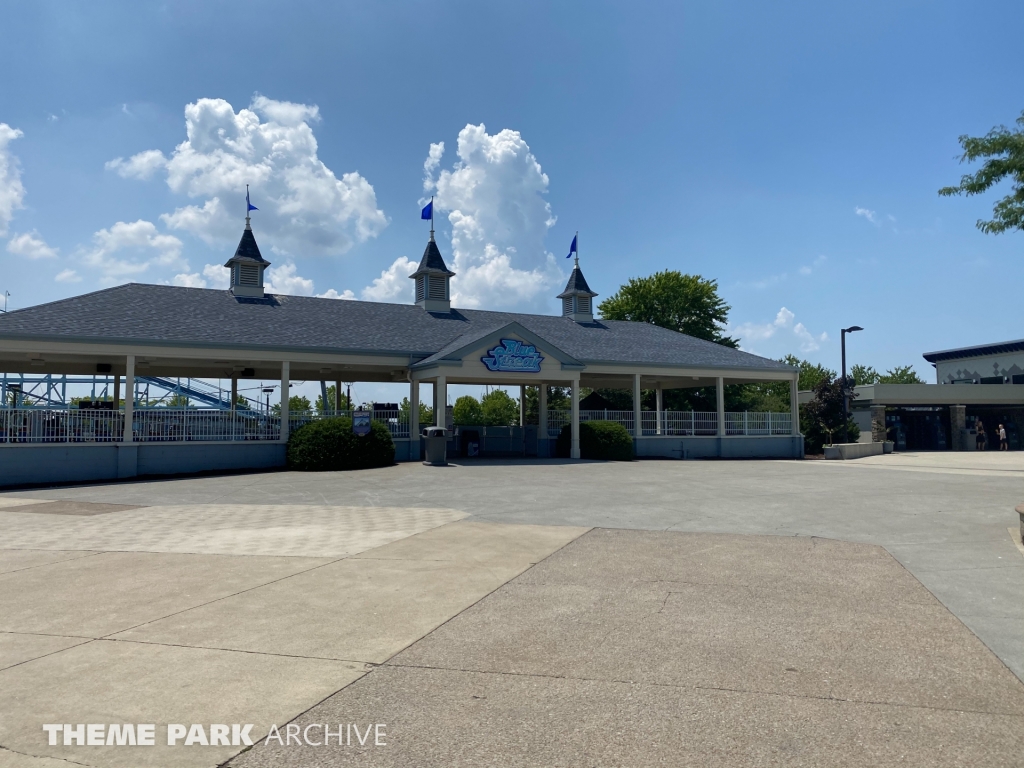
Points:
[[393, 283], [867, 214], [12, 191], [330, 293], [68, 276], [141, 166], [285, 279], [304, 208], [31, 246], [128, 249], [749, 333], [494, 198]]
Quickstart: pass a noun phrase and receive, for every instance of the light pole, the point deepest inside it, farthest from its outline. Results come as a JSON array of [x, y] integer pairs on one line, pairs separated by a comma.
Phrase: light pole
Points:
[[846, 399]]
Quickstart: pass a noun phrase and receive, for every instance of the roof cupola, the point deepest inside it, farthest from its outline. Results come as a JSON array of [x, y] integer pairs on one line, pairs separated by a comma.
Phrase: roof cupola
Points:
[[433, 278], [577, 298], [247, 265]]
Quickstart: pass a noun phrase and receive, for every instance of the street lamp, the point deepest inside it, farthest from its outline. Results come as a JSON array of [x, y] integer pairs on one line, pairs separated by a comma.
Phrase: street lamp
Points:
[[846, 399]]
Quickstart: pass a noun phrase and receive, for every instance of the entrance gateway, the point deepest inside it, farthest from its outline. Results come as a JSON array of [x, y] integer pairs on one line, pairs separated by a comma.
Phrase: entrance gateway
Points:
[[142, 332]]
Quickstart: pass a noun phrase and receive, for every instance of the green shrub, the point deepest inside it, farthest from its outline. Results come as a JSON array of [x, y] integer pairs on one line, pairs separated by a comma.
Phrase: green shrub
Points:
[[329, 444], [607, 440]]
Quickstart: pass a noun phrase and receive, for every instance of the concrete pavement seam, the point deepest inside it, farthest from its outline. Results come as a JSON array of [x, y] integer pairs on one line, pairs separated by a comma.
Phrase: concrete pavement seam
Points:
[[224, 597], [43, 757], [51, 653], [697, 687], [43, 565], [235, 650]]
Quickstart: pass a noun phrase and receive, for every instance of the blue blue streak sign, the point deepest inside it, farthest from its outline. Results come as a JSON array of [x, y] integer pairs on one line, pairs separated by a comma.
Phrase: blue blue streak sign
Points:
[[514, 357]]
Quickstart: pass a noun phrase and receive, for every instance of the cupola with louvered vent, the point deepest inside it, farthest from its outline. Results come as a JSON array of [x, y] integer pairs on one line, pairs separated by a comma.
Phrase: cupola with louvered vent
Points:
[[433, 279], [577, 298], [247, 266]]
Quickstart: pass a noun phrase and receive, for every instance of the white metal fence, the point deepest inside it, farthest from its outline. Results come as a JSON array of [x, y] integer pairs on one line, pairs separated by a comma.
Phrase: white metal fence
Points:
[[151, 425], [682, 423]]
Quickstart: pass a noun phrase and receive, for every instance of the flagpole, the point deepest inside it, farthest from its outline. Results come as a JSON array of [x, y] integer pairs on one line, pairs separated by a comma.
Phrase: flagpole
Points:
[[577, 247], [431, 217]]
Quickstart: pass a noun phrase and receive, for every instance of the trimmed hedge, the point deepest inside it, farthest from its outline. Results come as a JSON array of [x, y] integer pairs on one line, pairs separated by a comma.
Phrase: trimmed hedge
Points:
[[329, 445], [607, 440]]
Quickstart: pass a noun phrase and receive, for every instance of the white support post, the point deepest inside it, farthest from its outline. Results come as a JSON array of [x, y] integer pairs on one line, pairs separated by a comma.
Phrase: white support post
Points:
[[522, 405], [414, 421], [638, 424], [542, 430], [129, 402], [440, 401], [658, 407], [574, 451], [285, 395], [794, 407], [720, 397]]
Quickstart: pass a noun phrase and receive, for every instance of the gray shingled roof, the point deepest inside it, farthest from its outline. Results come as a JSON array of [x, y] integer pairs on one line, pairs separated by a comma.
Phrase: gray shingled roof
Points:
[[163, 314]]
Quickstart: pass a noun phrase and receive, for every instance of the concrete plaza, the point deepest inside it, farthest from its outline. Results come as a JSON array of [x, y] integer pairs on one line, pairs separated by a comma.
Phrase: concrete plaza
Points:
[[528, 613]]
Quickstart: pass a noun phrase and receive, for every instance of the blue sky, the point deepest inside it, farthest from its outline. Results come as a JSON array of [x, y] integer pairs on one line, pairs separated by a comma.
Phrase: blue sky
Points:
[[790, 151]]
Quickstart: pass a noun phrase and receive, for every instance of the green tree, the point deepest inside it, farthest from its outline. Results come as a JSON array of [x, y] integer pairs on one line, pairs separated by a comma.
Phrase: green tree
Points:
[[499, 409], [331, 389], [810, 374], [863, 374], [177, 400], [901, 374], [296, 403], [1005, 152], [426, 412], [685, 303], [467, 411]]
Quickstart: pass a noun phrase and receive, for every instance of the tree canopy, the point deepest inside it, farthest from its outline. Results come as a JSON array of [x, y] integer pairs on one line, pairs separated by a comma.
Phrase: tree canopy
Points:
[[901, 374], [685, 303], [810, 373], [1004, 149]]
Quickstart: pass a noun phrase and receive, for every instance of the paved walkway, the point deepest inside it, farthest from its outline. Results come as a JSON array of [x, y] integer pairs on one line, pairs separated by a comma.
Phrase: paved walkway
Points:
[[252, 598], [637, 648]]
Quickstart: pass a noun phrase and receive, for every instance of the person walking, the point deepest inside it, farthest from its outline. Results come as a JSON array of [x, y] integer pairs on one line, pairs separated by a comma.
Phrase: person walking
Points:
[[979, 441], [1002, 438]]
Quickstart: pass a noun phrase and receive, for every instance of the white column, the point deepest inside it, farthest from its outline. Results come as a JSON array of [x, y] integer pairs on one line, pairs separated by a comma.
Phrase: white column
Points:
[[285, 375], [638, 424], [522, 405], [574, 451], [129, 398], [720, 396], [794, 407], [414, 420], [440, 401], [657, 407], [542, 430]]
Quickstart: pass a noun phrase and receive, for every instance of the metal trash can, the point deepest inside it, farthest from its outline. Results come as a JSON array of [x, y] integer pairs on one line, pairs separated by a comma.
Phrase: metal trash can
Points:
[[435, 441]]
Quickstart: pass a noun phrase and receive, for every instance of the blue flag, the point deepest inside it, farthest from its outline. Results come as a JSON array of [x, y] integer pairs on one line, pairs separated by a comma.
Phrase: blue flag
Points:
[[249, 206], [572, 248], [428, 211]]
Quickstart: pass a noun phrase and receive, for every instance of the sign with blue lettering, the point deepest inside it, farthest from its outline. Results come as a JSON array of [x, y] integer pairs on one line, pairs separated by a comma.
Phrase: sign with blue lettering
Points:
[[513, 357]]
